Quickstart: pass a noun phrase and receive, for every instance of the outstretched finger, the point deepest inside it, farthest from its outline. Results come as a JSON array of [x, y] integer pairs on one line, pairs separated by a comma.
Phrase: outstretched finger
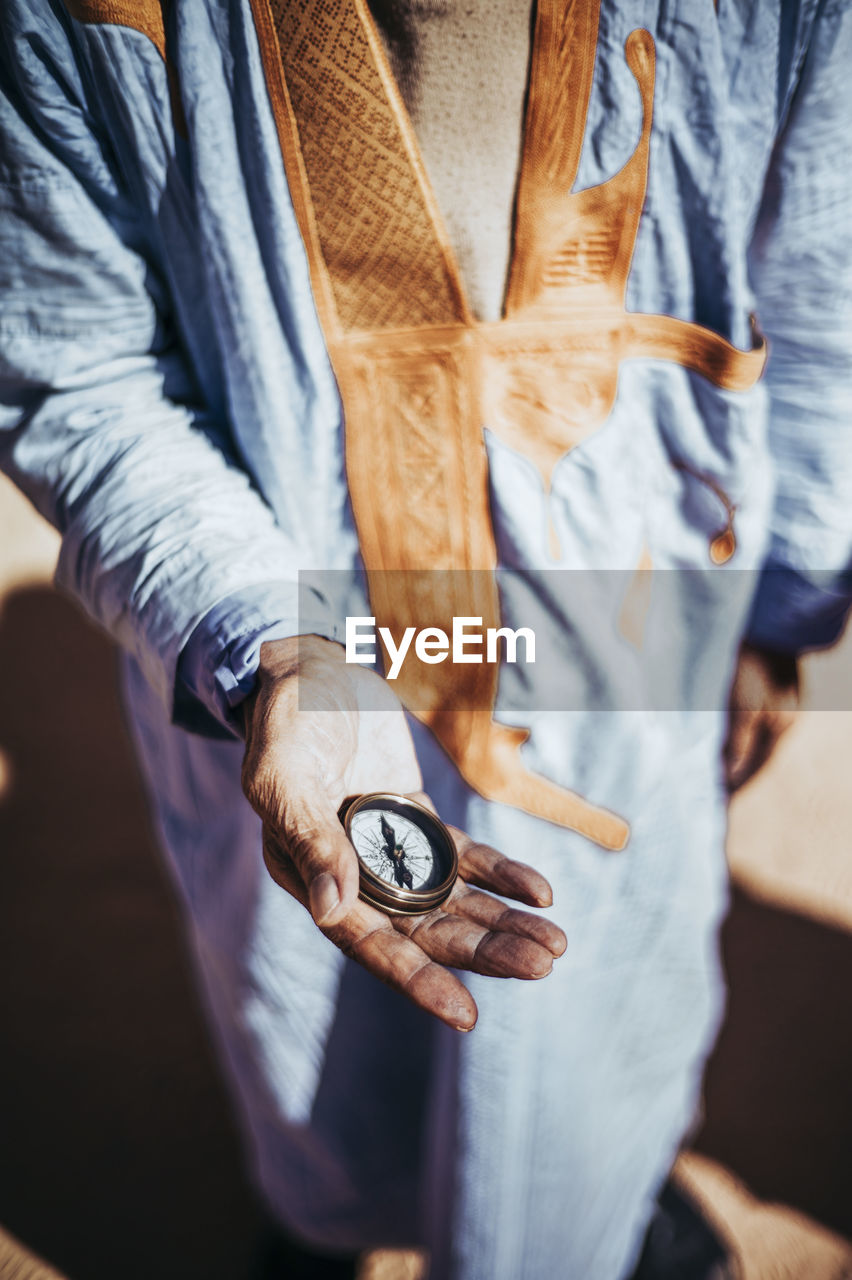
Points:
[[368, 936], [460, 943], [484, 867], [490, 913]]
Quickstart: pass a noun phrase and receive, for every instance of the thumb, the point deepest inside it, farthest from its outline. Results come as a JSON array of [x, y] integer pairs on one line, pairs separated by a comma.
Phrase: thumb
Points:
[[312, 841], [743, 732]]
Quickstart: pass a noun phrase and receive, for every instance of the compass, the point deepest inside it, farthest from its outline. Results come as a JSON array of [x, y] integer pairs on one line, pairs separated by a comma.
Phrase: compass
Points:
[[406, 856]]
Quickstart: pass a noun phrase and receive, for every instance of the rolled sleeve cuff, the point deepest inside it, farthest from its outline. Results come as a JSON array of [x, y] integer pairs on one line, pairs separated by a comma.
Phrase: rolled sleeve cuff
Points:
[[218, 665], [794, 611]]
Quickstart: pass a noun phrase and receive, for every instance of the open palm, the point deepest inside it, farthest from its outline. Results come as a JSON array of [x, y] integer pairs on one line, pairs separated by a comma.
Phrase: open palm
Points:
[[319, 731]]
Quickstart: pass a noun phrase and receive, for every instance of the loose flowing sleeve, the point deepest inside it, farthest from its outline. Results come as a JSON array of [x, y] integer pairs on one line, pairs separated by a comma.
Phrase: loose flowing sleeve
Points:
[[801, 265], [163, 537]]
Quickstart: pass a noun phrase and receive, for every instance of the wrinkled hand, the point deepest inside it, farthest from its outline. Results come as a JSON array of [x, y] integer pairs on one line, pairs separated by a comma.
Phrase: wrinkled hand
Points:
[[764, 700], [319, 731]]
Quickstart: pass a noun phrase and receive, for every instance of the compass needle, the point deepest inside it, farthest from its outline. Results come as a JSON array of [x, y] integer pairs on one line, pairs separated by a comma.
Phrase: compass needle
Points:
[[407, 858]]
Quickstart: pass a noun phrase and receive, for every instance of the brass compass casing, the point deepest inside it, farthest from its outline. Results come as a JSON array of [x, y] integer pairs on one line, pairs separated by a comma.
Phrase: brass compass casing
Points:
[[384, 893]]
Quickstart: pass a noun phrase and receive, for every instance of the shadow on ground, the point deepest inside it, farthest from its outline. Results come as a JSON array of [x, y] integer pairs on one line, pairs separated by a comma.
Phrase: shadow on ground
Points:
[[119, 1154], [778, 1090]]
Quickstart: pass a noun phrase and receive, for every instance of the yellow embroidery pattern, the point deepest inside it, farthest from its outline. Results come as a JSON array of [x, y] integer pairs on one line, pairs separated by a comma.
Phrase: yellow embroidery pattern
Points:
[[418, 375]]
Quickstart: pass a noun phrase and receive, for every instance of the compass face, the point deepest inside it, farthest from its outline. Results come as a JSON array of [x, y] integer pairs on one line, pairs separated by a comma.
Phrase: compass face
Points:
[[408, 861], [393, 848]]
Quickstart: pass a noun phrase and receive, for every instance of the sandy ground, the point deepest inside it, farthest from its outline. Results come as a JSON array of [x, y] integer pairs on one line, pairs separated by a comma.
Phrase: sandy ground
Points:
[[120, 1158]]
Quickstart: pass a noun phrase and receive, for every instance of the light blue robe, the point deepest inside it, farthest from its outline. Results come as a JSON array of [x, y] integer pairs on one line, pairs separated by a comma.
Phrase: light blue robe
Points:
[[166, 400]]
